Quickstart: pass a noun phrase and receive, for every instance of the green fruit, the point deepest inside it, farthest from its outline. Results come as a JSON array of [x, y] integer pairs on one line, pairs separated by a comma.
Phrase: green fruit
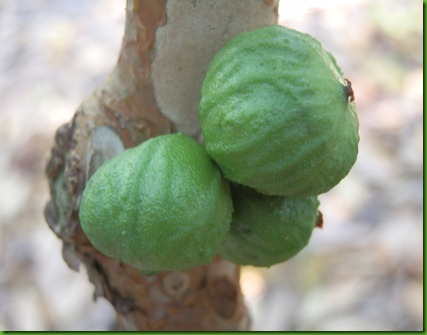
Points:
[[266, 230], [161, 206], [277, 114]]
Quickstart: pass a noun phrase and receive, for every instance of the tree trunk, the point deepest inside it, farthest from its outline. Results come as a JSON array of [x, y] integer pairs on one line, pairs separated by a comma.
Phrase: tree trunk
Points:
[[154, 89]]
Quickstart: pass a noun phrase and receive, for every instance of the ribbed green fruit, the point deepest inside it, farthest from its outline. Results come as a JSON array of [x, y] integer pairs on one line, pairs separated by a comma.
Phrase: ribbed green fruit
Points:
[[161, 206], [267, 230], [275, 114]]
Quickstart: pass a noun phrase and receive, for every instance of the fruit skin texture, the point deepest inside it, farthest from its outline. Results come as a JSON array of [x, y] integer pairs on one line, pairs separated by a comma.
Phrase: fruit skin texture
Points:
[[161, 206], [275, 114], [266, 230]]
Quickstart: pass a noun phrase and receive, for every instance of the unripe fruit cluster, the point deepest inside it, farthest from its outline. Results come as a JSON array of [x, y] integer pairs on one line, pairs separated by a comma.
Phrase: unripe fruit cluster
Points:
[[279, 129]]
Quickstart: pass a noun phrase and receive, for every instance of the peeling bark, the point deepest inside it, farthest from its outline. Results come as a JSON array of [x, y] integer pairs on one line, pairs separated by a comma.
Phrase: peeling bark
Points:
[[154, 89]]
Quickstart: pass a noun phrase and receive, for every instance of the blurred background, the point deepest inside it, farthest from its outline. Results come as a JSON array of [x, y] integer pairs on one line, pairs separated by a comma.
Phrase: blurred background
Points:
[[362, 271]]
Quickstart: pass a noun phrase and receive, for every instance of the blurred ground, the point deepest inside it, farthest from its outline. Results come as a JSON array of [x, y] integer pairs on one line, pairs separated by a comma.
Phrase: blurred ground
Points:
[[362, 271]]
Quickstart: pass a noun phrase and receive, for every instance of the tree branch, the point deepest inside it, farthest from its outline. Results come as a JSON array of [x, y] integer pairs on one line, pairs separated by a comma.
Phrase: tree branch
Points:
[[153, 90]]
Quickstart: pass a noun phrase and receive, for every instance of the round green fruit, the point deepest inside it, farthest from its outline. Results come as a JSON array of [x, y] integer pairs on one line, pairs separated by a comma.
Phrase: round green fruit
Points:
[[277, 114], [161, 206], [267, 230]]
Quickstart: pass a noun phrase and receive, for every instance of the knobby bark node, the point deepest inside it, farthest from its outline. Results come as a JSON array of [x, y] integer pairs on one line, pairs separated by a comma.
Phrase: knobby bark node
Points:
[[123, 112]]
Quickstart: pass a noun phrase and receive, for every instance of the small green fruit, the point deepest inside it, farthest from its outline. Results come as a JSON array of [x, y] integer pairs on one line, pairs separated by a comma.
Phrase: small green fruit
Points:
[[161, 206], [277, 114], [266, 230]]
